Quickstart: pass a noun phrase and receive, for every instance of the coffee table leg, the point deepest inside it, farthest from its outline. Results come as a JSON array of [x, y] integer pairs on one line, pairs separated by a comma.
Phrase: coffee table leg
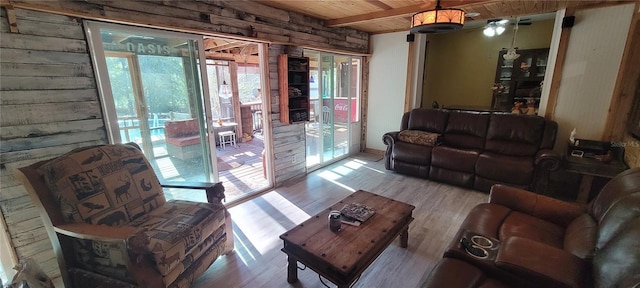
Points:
[[292, 269], [404, 238]]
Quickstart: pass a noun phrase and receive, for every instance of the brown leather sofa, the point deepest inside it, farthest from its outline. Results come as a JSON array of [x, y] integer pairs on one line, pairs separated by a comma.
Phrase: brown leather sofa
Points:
[[476, 149], [544, 242]]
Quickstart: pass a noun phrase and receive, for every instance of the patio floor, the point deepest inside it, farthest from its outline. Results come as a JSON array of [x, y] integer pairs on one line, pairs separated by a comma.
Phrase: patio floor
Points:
[[240, 170]]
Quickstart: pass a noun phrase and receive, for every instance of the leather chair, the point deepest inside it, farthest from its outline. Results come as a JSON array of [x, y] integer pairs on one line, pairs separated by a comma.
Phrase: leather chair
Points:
[[545, 242], [110, 225]]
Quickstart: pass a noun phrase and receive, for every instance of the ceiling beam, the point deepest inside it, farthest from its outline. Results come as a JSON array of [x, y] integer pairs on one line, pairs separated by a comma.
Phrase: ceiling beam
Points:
[[398, 12], [379, 4], [251, 59]]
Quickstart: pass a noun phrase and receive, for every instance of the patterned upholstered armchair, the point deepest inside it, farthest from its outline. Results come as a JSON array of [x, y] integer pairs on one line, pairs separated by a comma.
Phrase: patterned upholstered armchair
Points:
[[111, 226]]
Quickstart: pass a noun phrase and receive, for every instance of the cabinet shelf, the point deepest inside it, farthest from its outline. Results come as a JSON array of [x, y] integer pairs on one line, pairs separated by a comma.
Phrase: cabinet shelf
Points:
[[526, 74], [294, 91]]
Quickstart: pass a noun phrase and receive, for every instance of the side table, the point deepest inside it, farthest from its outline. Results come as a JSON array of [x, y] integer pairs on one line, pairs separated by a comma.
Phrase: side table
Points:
[[589, 168]]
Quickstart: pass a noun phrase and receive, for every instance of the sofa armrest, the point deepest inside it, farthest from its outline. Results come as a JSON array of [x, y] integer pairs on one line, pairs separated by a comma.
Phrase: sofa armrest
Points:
[[544, 265], [547, 159], [540, 206], [389, 139]]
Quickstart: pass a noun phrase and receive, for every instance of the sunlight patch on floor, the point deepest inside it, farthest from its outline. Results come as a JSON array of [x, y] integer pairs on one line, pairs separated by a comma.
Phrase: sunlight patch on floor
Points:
[[261, 239], [333, 177], [355, 164], [288, 209], [342, 170]]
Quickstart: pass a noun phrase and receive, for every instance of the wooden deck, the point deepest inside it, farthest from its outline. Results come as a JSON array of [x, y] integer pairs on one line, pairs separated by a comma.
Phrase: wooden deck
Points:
[[240, 170]]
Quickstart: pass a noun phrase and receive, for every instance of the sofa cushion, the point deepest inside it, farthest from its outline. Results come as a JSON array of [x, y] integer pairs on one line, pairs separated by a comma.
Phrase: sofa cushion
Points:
[[176, 229], [549, 266], [515, 135], [109, 185], [519, 224], [458, 178], [455, 273], [507, 169], [454, 159], [412, 153], [429, 120], [466, 129], [419, 137]]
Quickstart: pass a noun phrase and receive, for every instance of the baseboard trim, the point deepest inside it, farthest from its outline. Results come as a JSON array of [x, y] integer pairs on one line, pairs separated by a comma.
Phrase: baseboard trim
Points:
[[374, 151]]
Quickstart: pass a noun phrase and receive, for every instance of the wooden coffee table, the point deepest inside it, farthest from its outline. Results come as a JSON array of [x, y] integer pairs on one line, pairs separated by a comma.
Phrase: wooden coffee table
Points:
[[342, 256]]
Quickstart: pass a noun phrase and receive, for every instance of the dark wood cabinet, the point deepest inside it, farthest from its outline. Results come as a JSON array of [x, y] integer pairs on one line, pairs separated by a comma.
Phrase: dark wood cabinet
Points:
[[293, 77], [520, 80]]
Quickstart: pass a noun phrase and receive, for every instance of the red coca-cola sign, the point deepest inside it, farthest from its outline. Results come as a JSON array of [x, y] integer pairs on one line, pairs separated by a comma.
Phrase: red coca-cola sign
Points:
[[341, 109]]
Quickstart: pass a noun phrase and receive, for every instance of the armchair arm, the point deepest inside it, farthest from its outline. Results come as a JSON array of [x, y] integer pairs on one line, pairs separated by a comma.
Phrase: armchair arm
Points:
[[95, 232], [540, 206], [543, 265], [136, 240], [214, 191], [547, 159]]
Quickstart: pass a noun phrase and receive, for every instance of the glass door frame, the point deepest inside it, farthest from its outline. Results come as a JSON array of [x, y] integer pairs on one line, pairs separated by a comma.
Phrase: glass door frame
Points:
[[333, 94], [103, 83]]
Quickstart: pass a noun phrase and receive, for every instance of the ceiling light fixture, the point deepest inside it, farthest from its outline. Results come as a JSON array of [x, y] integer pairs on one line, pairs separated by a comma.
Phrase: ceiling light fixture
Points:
[[437, 21], [511, 53], [225, 90]]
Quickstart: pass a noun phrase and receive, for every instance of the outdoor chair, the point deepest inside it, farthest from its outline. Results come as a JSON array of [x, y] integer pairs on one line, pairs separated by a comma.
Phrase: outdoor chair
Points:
[[110, 225]]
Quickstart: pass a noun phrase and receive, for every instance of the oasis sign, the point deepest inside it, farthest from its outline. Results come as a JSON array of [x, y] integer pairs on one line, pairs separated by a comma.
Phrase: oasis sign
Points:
[[142, 48]]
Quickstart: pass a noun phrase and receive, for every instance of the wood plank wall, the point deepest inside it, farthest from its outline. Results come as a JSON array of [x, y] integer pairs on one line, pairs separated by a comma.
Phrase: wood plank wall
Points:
[[239, 19], [289, 140], [49, 102], [49, 106]]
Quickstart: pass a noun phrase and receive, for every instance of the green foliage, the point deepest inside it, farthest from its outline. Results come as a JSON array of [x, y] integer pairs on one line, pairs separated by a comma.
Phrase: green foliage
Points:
[[163, 82]]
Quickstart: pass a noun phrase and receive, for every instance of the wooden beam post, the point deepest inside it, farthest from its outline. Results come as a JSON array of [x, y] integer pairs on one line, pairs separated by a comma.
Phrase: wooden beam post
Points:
[[626, 84], [13, 21], [558, 67]]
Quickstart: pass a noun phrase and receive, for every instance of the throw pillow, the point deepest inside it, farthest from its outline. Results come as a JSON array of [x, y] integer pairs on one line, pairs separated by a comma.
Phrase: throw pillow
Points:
[[419, 137]]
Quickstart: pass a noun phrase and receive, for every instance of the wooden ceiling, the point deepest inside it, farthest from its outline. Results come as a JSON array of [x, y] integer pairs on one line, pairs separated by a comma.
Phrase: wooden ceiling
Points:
[[383, 16], [231, 50]]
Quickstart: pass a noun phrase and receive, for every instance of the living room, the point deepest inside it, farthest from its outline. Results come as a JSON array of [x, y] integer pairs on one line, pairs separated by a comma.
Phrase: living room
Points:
[[29, 140]]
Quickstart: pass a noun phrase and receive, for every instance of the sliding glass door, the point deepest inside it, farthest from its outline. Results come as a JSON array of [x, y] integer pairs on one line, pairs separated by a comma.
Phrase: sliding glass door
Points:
[[153, 95], [335, 107]]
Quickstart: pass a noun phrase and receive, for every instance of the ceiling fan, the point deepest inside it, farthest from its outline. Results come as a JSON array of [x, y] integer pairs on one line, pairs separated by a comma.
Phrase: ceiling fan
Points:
[[523, 22]]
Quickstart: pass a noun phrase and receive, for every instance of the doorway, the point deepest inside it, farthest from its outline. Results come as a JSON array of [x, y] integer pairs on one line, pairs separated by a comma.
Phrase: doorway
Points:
[[162, 90], [333, 131]]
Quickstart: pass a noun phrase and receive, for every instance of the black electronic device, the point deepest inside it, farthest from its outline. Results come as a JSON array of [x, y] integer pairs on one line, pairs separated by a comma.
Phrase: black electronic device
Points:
[[586, 148]]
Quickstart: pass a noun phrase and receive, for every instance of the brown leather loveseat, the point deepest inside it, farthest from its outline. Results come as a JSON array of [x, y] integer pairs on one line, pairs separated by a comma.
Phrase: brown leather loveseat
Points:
[[473, 149], [544, 242]]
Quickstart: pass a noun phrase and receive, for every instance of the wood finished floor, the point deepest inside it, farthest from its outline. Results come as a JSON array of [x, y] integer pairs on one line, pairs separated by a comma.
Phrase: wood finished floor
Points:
[[258, 262]]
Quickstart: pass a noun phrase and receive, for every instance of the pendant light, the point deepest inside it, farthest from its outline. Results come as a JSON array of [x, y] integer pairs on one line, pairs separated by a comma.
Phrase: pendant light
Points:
[[225, 90], [511, 53], [438, 20]]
